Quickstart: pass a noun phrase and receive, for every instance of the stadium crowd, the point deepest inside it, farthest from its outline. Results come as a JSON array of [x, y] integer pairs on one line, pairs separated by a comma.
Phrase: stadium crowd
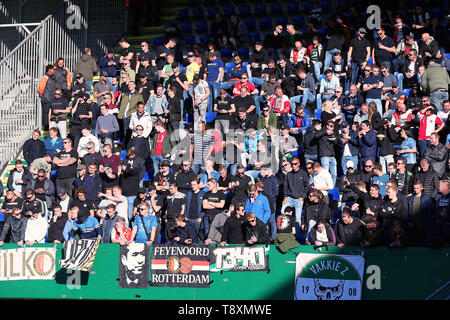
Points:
[[335, 139]]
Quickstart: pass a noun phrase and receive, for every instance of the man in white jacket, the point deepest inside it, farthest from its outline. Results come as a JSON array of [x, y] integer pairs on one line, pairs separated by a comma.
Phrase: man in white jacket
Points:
[[36, 229], [87, 137], [141, 117]]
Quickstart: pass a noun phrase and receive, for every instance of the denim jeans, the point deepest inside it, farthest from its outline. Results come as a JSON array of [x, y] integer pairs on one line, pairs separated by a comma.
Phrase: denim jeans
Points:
[[258, 100], [422, 145], [317, 66], [232, 168], [311, 224], [400, 78], [196, 225], [378, 103], [329, 57], [156, 160], [130, 200], [329, 163], [214, 93], [304, 98], [321, 96], [297, 204], [310, 158], [253, 173], [256, 81], [273, 226], [228, 84], [398, 63], [354, 69], [344, 160], [437, 98]]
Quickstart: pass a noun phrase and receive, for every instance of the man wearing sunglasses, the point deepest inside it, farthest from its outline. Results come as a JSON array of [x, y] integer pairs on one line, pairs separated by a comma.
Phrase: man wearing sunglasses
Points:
[[66, 162], [59, 107], [16, 223]]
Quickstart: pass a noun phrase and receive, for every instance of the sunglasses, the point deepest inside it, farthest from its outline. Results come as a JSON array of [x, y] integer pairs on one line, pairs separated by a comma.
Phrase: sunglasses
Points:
[[139, 129], [244, 78], [41, 176], [89, 148], [57, 94], [368, 70], [253, 220], [295, 163], [266, 110], [309, 168], [368, 166]]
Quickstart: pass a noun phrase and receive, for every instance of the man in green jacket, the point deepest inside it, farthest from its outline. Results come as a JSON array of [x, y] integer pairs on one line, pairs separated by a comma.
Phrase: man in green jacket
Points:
[[128, 105], [162, 145], [435, 80], [266, 119]]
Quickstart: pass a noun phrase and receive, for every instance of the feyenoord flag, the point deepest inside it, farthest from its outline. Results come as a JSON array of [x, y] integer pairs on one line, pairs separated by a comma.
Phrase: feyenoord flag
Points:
[[134, 271], [27, 264], [240, 258], [328, 277], [180, 266], [80, 254]]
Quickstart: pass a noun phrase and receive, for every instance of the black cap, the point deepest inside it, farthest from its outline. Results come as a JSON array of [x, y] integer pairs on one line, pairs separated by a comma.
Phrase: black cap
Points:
[[174, 65], [151, 187], [104, 74], [166, 163], [142, 190], [110, 50]]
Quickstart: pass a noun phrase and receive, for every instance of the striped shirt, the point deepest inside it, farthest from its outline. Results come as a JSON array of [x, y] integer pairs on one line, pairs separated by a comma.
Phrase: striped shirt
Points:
[[202, 144]]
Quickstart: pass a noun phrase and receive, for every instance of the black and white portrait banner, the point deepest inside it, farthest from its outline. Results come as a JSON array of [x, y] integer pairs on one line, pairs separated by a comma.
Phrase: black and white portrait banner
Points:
[[134, 266]]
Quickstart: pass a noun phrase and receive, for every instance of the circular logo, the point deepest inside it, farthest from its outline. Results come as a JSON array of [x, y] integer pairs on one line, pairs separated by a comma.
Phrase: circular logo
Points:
[[282, 222], [43, 263], [173, 264]]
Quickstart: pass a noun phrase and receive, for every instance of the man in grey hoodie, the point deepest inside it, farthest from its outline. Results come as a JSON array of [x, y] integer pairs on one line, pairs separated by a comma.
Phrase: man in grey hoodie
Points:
[[87, 66]]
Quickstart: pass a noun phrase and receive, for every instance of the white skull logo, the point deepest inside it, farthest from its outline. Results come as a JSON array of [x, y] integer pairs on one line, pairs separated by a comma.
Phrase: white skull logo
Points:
[[328, 293]]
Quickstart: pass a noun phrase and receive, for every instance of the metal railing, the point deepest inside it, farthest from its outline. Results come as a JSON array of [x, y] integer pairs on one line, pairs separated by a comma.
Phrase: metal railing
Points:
[[58, 35]]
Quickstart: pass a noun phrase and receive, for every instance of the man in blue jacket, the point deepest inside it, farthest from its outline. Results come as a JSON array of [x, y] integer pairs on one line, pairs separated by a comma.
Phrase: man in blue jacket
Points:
[[234, 74], [367, 139], [109, 64], [258, 203], [299, 122]]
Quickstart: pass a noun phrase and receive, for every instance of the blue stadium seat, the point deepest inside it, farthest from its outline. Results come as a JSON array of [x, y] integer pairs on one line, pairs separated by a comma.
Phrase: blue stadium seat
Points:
[[158, 41], [437, 12], [276, 9], [283, 20], [212, 11], [183, 14], [189, 39], [260, 9], [254, 36], [322, 31], [292, 8], [308, 6], [370, 60], [198, 13], [226, 52], [205, 38], [229, 11], [333, 194], [189, 118], [244, 64], [245, 10], [250, 23], [244, 52], [210, 117], [298, 20], [193, 3], [265, 23], [202, 26], [186, 27], [326, 5], [228, 66], [406, 92], [123, 154], [317, 113]]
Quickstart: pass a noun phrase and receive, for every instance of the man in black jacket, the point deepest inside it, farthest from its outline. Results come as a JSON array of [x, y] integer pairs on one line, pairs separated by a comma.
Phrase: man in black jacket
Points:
[[16, 223], [184, 176], [429, 179], [349, 230], [255, 230], [33, 148], [56, 226], [296, 187], [233, 231], [18, 179], [311, 142]]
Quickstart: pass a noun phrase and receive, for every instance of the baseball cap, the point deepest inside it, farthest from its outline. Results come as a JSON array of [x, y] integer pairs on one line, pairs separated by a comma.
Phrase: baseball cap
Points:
[[362, 30], [109, 50], [104, 74], [166, 163], [349, 164], [175, 65], [344, 125], [142, 190], [190, 54]]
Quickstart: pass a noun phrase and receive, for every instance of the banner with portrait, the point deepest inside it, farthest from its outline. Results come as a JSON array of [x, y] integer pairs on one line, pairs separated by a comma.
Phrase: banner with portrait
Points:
[[180, 266], [134, 266], [27, 264], [328, 277], [240, 258], [80, 254]]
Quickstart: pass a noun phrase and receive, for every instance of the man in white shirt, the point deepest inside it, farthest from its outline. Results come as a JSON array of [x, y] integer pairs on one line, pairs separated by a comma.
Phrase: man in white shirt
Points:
[[322, 180], [328, 85], [87, 137], [36, 229]]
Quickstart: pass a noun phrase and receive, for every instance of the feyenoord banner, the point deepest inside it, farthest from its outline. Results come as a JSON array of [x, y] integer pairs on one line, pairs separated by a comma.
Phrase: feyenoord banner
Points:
[[180, 266], [80, 254], [27, 264], [134, 269], [240, 258], [328, 277]]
